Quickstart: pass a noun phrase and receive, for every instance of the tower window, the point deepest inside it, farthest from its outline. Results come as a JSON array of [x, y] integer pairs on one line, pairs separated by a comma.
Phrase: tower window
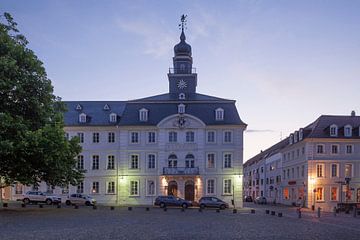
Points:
[[82, 118], [113, 117], [182, 96], [219, 114], [143, 115], [181, 108]]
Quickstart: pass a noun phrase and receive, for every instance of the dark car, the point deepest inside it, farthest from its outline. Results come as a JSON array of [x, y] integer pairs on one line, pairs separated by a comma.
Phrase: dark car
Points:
[[260, 200], [164, 201], [248, 199], [212, 202]]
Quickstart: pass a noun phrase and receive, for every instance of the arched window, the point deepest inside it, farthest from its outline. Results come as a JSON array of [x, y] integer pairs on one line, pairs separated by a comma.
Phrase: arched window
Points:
[[301, 134], [181, 108], [219, 114], [190, 161], [333, 130], [82, 118], [143, 115], [348, 130], [113, 117], [172, 161], [182, 96]]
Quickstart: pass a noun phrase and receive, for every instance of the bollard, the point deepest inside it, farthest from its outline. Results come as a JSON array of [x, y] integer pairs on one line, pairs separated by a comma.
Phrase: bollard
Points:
[[279, 214], [234, 210], [335, 211], [217, 210], [76, 206], [355, 210], [299, 212], [130, 208], [200, 209], [273, 213], [112, 208], [58, 206], [318, 212], [252, 211], [94, 207], [147, 209], [23, 205], [5, 205], [165, 209], [41, 206], [267, 211]]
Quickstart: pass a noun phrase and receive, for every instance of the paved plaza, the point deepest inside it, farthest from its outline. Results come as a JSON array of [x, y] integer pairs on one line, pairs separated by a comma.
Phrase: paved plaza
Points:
[[103, 223]]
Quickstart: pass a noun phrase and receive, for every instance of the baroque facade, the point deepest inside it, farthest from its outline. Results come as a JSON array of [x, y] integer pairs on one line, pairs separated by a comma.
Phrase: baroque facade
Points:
[[316, 166], [181, 143]]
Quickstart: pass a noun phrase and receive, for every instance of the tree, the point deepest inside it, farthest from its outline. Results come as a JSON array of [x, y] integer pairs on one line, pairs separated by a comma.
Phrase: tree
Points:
[[32, 143]]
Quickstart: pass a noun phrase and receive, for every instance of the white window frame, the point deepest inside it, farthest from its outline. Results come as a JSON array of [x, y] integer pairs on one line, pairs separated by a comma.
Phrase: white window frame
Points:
[[148, 137], [337, 194], [207, 160], [135, 187], [181, 108], [322, 167], [132, 164], [113, 117], [111, 158], [95, 159], [213, 187], [224, 185], [207, 136], [352, 170], [81, 137], [190, 136], [337, 170], [143, 115], [148, 185], [134, 135], [80, 187], [108, 187], [225, 160], [95, 189], [148, 160], [348, 127], [333, 130], [172, 137], [337, 148], [111, 137], [301, 134], [82, 118], [231, 137], [80, 161], [95, 137], [346, 148], [322, 195], [317, 148], [219, 114]]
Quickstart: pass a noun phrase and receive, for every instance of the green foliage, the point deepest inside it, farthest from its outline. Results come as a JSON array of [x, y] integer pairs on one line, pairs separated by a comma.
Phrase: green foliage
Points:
[[32, 143]]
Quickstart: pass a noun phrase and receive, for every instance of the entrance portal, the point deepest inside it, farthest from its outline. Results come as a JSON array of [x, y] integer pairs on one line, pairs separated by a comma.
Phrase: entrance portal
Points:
[[172, 188], [189, 191]]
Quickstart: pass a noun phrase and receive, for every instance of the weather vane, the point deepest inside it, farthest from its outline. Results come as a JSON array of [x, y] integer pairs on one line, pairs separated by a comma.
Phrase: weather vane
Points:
[[182, 25]]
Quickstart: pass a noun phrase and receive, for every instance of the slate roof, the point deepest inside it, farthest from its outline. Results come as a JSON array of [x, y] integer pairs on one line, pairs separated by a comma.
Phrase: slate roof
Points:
[[159, 107]]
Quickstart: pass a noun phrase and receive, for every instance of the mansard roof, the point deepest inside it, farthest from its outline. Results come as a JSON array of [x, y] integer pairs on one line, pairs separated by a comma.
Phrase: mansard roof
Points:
[[159, 107]]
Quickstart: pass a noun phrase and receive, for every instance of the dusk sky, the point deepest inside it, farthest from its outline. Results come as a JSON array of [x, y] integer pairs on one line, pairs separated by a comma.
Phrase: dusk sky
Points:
[[284, 62]]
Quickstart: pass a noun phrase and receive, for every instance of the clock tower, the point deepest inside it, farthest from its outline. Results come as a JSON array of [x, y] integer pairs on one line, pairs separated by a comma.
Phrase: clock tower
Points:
[[182, 77]]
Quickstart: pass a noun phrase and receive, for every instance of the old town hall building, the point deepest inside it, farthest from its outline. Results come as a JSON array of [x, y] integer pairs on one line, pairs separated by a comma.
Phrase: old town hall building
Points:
[[182, 143]]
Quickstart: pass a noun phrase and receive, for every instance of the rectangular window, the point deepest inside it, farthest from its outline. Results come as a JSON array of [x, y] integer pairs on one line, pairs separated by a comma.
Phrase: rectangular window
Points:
[[211, 137], [95, 162], [349, 149], [284, 174], [227, 186], [96, 137], [302, 170], [151, 137], [111, 187], [190, 136], [151, 161], [227, 137], [334, 149], [111, 162], [150, 188], [95, 187], [210, 189], [334, 170], [134, 161], [297, 172], [134, 137], [80, 162], [334, 194], [286, 193], [18, 188], [81, 137], [172, 137], [134, 188], [320, 149], [320, 170], [348, 170], [319, 194], [211, 160], [111, 137], [80, 187], [227, 160], [302, 150]]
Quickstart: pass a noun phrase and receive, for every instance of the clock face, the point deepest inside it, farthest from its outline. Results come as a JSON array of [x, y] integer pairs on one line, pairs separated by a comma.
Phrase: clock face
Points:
[[181, 84]]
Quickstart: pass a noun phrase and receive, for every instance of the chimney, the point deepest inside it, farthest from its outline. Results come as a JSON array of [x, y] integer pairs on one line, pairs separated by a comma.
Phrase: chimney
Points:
[[353, 113]]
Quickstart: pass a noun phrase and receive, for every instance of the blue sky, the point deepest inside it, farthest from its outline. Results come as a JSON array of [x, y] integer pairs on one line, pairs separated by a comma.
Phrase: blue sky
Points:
[[284, 62]]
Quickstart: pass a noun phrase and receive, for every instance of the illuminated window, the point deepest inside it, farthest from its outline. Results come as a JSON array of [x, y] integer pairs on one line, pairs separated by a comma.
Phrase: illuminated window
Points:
[[348, 170], [95, 187], [319, 194], [286, 193], [320, 168], [334, 194]]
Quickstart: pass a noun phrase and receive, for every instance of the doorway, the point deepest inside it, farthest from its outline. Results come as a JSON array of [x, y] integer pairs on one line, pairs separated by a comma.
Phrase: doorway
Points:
[[172, 188], [189, 191]]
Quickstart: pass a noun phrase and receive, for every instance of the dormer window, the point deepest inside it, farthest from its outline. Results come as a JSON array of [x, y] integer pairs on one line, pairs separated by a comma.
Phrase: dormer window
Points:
[[113, 117], [291, 139], [82, 118], [301, 134], [219, 114], [78, 107], [333, 130], [181, 108], [296, 135], [143, 115], [106, 107], [182, 96], [348, 131]]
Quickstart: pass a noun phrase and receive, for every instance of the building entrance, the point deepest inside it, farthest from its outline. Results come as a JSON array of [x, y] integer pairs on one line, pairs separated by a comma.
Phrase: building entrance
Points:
[[189, 191], [173, 188]]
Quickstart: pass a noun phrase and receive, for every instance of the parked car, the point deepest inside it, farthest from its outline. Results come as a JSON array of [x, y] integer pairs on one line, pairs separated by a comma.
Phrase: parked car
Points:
[[164, 201], [80, 199], [248, 199], [260, 200], [212, 202], [40, 197]]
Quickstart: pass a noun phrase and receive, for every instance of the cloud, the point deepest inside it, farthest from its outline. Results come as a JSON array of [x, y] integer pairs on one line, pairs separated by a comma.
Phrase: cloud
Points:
[[259, 130]]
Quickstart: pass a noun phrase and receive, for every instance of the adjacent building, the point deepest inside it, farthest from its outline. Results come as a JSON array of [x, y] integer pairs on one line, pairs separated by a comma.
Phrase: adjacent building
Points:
[[316, 166], [180, 143]]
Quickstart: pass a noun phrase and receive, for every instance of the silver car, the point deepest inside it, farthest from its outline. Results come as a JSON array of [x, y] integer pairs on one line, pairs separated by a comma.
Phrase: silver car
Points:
[[36, 197], [80, 199]]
